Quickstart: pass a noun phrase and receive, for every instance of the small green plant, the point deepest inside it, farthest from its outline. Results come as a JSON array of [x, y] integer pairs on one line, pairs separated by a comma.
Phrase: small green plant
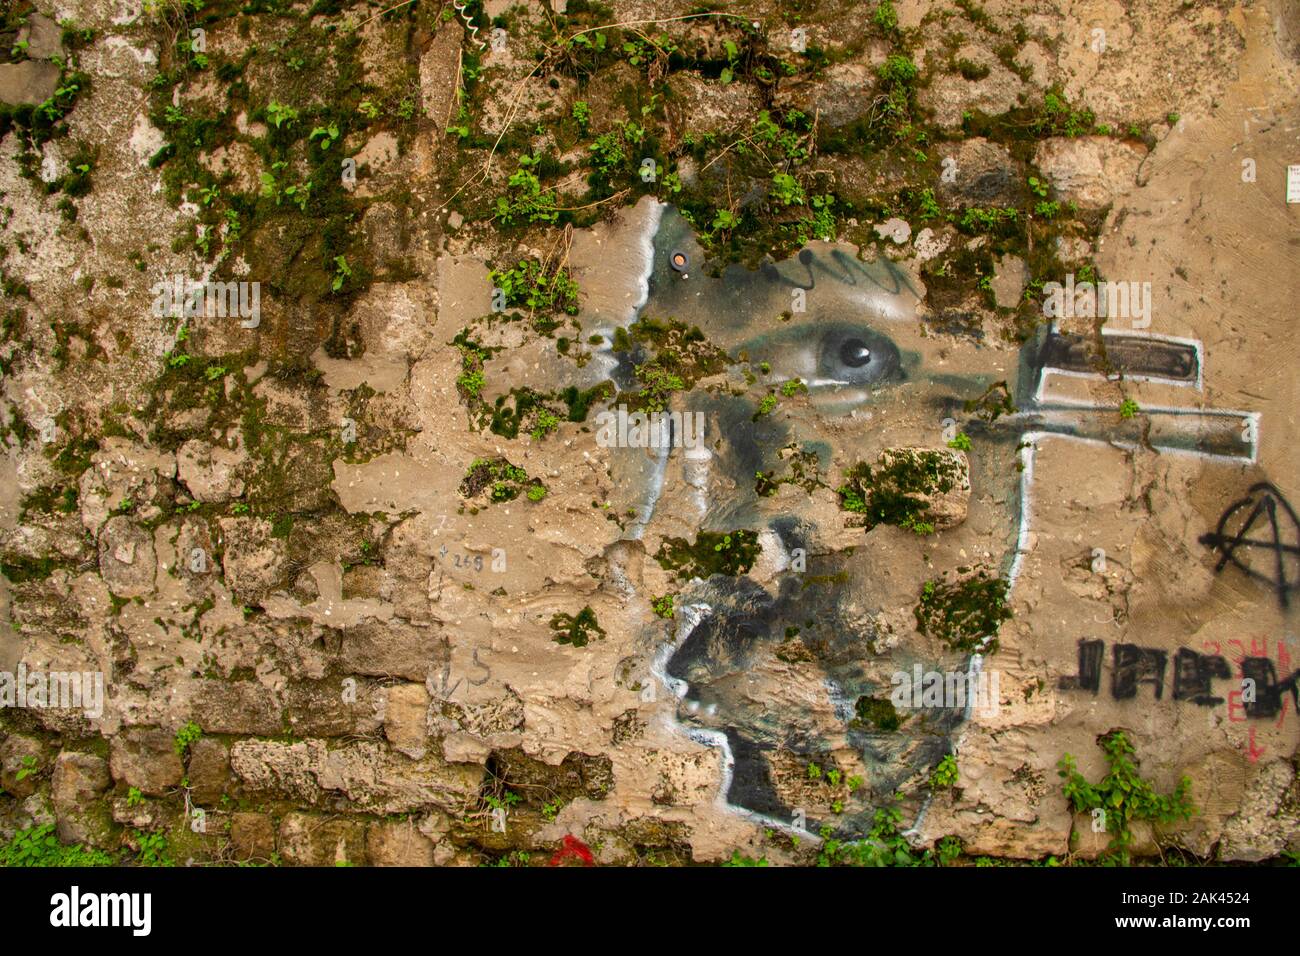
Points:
[[27, 768], [279, 114], [581, 114], [657, 385], [633, 133], [551, 809], [724, 221], [1058, 118], [503, 802], [739, 859], [814, 772], [186, 737], [987, 220], [461, 126], [542, 288], [948, 849], [512, 860], [897, 72], [960, 441], [526, 199], [134, 797], [916, 525], [927, 205], [1122, 795], [885, 17], [40, 846], [662, 606], [791, 137], [472, 381], [536, 492], [270, 185], [342, 273], [786, 190], [1128, 408], [766, 405], [944, 774], [328, 135], [733, 54], [883, 846], [546, 422], [154, 850], [607, 153]]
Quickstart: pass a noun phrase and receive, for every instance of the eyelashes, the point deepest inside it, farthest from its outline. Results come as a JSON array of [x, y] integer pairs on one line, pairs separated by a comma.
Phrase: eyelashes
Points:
[[829, 354]]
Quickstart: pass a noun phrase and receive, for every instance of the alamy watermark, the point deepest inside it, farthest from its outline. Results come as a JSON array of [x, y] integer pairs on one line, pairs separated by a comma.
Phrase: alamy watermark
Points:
[[130, 910], [946, 689], [619, 429], [54, 690], [1094, 300], [179, 297]]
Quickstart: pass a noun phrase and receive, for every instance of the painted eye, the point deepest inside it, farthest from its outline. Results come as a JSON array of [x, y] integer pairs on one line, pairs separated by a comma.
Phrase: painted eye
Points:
[[856, 355], [826, 355]]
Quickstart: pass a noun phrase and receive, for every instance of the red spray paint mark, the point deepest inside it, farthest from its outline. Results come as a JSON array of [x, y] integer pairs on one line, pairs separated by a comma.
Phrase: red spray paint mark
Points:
[[1253, 752], [573, 847]]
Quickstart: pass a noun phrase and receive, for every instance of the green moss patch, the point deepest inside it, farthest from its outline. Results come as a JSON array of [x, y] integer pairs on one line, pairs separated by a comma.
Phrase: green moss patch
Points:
[[899, 490], [682, 356], [731, 553], [965, 614], [500, 481], [576, 629], [802, 472], [877, 713]]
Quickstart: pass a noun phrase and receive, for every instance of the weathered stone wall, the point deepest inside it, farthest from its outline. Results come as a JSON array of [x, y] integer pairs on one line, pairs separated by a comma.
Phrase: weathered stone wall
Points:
[[345, 609]]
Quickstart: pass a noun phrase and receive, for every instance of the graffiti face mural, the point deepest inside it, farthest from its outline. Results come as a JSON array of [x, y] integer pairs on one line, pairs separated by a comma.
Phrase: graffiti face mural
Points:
[[742, 405]]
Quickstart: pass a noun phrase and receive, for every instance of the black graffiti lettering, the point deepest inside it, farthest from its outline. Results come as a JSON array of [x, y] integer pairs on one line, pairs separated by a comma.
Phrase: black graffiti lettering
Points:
[[1268, 689], [1193, 673], [1136, 665], [1089, 676], [1193, 679]]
